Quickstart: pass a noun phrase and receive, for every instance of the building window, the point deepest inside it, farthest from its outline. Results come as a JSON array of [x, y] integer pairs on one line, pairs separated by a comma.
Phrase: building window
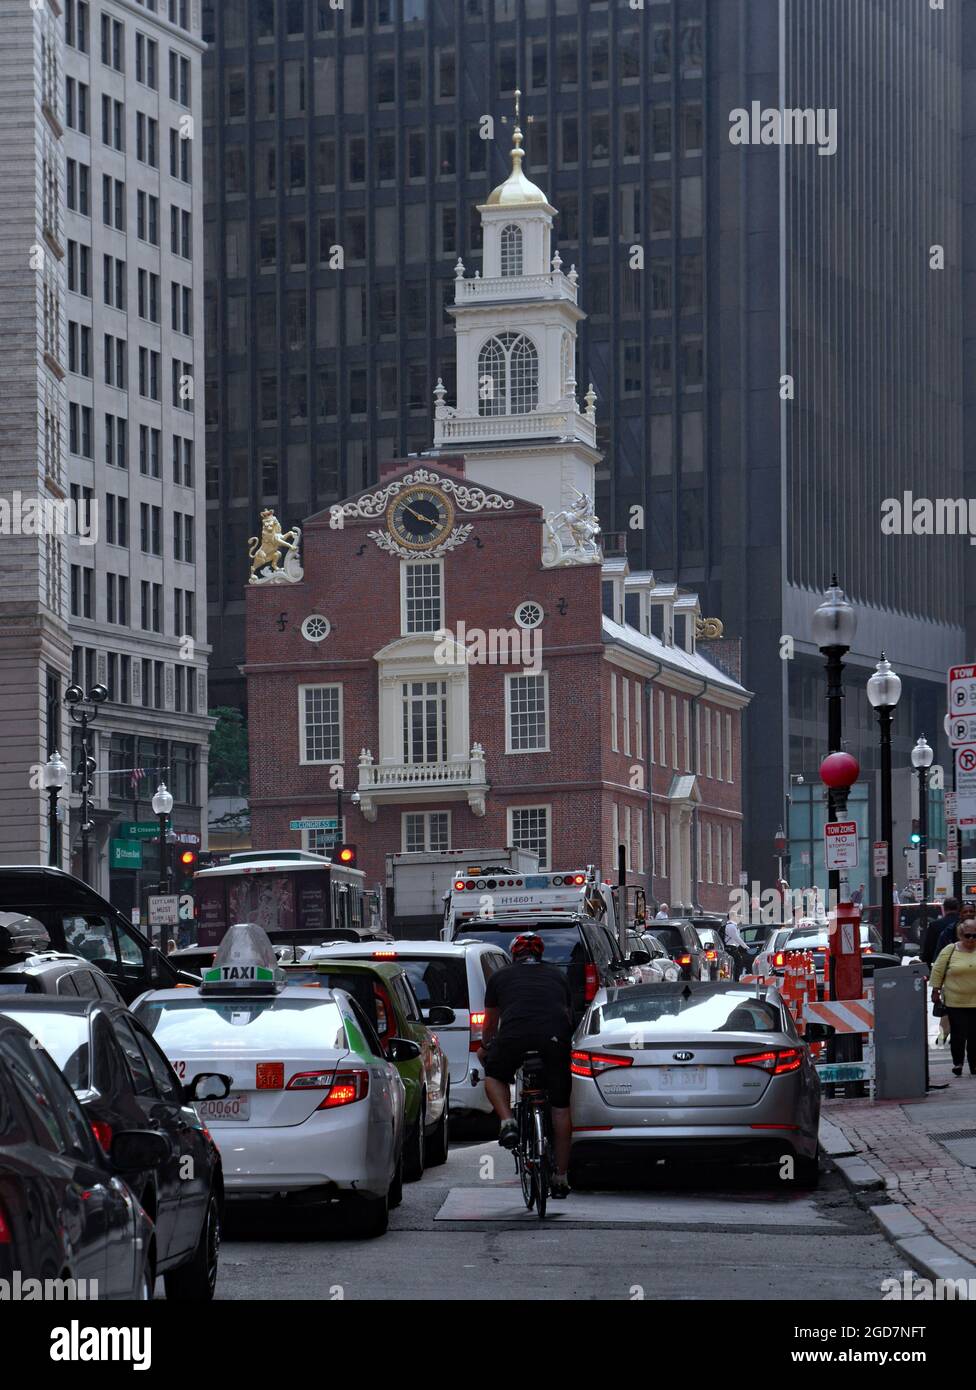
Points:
[[422, 589], [320, 723], [528, 828], [424, 721], [511, 250], [428, 831], [614, 742], [527, 700], [508, 375]]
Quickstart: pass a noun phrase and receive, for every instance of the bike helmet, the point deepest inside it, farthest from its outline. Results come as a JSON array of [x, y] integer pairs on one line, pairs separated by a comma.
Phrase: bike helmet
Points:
[[526, 944]]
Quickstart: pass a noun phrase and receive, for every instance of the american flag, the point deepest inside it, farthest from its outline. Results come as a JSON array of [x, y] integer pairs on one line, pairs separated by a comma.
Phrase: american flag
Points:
[[137, 775]]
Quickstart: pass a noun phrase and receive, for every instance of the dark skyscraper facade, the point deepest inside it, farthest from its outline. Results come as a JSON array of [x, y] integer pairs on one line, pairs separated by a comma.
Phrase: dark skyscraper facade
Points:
[[346, 151]]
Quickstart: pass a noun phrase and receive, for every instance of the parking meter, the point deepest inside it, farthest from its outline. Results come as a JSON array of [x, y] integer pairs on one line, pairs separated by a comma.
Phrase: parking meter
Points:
[[844, 953]]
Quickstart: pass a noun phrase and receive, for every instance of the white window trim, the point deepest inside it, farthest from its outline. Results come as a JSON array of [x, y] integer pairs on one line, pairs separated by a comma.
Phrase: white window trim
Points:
[[728, 854], [718, 745], [640, 841], [613, 712], [697, 769], [708, 851], [628, 832], [687, 723], [524, 752], [708, 741], [728, 752], [625, 683], [404, 566], [638, 723], [662, 868], [303, 758], [674, 732], [510, 820], [614, 831], [661, 748], [698, 850], [426, 817]]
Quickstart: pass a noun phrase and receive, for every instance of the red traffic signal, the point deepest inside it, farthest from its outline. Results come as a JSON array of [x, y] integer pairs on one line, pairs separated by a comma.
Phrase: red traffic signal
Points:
[[188, 860], [346, 854]]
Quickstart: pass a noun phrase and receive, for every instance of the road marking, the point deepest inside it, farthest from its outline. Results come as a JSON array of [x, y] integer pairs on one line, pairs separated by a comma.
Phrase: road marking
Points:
[[503, 1202]]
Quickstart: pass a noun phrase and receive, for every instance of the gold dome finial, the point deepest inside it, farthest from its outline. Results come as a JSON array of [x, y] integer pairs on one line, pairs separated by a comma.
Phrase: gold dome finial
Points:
[[517, 190]]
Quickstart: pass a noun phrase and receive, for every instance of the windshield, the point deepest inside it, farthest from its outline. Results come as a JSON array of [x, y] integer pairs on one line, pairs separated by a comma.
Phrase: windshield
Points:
[[235, 1025], [437, 980], [64, 1036], [563, 944], [675, 1008], [671, 939]]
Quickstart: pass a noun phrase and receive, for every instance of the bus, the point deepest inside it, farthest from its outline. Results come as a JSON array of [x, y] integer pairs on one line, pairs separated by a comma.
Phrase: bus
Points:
[[297, 897]]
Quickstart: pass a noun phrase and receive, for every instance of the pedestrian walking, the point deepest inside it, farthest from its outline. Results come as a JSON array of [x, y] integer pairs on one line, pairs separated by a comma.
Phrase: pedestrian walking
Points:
[[857, 898], [947, 927], [954, 989], [736, 946], [662, 913]]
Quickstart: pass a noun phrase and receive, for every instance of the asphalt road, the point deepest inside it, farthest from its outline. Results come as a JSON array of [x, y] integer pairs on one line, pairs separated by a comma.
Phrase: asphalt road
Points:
[[690, 1235]]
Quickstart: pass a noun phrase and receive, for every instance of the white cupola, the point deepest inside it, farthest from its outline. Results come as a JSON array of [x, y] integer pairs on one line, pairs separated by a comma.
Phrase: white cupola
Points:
[[517, 417]]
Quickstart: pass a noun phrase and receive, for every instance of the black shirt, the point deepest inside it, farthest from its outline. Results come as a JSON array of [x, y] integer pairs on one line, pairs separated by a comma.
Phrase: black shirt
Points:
[[533, 999]]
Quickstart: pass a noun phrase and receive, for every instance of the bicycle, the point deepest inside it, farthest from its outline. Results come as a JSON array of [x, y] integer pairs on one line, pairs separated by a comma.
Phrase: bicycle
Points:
[[534, 1147]]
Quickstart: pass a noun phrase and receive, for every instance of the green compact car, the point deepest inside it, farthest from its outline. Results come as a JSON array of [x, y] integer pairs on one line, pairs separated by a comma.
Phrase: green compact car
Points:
[[383, 990]]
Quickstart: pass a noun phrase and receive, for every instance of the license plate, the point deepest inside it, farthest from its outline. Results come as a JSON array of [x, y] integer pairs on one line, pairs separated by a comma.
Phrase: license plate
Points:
[[230, 1109], [683, 1078]]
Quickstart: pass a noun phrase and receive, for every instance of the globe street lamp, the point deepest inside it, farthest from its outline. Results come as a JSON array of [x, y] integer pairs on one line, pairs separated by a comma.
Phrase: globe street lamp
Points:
[[54, 774], [77, 699], [922, 756], [834, 625], [162, 804], [884, 692]]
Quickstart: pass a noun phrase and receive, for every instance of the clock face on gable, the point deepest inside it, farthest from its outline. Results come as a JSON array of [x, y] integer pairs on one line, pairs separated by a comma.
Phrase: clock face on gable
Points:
[[420, 517]]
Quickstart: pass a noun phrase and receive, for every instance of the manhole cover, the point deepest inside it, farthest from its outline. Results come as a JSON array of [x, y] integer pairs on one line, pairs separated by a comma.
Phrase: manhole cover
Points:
[[956, 1134]]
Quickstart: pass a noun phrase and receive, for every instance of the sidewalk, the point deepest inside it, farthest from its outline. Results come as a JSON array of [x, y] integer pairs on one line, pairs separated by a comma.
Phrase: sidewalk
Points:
[[923, 1151]]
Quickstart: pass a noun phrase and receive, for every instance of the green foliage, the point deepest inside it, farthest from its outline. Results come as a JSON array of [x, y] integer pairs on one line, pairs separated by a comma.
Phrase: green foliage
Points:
[[228, 748]]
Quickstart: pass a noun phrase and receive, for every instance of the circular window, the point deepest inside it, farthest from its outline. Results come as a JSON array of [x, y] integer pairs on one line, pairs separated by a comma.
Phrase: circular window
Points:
[[529, 614], [316, 628]]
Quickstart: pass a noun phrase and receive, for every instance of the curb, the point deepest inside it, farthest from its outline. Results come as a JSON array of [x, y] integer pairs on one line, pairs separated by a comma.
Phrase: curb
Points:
[[904, 1231]]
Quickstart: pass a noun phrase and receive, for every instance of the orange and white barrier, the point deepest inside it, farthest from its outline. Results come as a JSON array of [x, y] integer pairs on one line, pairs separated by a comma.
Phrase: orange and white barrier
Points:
[[845, 1015]]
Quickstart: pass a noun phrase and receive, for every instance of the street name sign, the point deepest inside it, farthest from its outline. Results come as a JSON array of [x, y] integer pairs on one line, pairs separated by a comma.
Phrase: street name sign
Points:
[[840, 844], [315, 823]]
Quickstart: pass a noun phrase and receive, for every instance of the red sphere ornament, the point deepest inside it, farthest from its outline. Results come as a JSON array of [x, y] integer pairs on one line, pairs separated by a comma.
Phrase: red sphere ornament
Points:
[[839, 770]]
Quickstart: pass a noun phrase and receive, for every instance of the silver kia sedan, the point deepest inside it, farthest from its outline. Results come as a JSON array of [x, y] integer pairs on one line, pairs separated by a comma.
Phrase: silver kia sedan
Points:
[[694, 1072]]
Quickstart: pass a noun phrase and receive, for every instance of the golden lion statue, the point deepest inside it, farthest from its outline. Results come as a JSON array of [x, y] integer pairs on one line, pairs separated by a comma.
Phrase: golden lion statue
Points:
[[266, 552]]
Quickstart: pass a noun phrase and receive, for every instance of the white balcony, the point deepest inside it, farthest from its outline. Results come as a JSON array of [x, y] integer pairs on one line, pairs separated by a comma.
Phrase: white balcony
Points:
[[553, 285], [450, 428], [460, 779]]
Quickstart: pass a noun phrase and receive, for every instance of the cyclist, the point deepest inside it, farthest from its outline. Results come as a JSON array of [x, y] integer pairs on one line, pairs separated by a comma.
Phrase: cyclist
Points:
[[529, 1008]]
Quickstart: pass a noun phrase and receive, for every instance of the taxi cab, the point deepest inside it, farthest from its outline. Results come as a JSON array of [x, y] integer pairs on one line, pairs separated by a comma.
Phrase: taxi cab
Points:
[[310, 1104]]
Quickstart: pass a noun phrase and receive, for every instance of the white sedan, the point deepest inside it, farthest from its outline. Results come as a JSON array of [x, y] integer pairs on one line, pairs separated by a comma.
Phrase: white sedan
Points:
[[313, 1105]]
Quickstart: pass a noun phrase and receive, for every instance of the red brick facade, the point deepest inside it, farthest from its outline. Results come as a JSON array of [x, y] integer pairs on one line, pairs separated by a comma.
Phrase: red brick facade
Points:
[[356, 585]]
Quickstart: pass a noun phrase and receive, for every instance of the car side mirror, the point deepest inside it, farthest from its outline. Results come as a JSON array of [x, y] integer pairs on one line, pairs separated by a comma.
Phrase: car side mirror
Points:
[[439, 1016], [207, 1085], [135, 1150], [639, 958], [402, 1050], [818, 1032]]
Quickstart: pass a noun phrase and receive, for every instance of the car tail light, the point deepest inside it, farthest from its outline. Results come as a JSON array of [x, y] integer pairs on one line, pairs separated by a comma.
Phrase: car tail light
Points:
[[310, 1081], [6, 1238], [595, 1063], [103, 1133], [384, 955], [459, 884], [477, 1027], [591, 981], [683, 960], [779, 958], [470, 885], [711, 954], [347, 1087], [385, 1015], [776, 1061], [579, 878]]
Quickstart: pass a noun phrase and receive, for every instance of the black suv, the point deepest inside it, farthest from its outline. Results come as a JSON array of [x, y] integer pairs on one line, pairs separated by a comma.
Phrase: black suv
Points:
[[52, 972], [683, 945], [583, 947]]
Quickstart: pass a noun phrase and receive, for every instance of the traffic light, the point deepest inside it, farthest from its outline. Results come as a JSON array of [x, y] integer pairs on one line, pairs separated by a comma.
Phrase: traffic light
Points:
[[188, 860], [915, 838], [346, 854]]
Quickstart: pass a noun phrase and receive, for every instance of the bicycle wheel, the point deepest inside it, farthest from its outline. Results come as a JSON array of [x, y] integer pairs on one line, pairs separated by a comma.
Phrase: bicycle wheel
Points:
[[540, 1167], [524, 1166]]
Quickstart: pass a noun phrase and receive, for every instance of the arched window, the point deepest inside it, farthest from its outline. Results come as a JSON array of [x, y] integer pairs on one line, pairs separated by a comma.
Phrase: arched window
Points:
[[511, 250], [508, 375]]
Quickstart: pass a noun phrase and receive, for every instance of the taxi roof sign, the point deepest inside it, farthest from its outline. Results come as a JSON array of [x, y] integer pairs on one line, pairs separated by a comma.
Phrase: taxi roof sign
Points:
[[245, 963]]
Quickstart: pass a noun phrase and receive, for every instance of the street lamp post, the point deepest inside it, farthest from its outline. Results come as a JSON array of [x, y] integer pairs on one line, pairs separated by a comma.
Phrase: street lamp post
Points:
[[76, 699], [884, 692], [55, 774], [162, 804], [834, 625], [922, 756]]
